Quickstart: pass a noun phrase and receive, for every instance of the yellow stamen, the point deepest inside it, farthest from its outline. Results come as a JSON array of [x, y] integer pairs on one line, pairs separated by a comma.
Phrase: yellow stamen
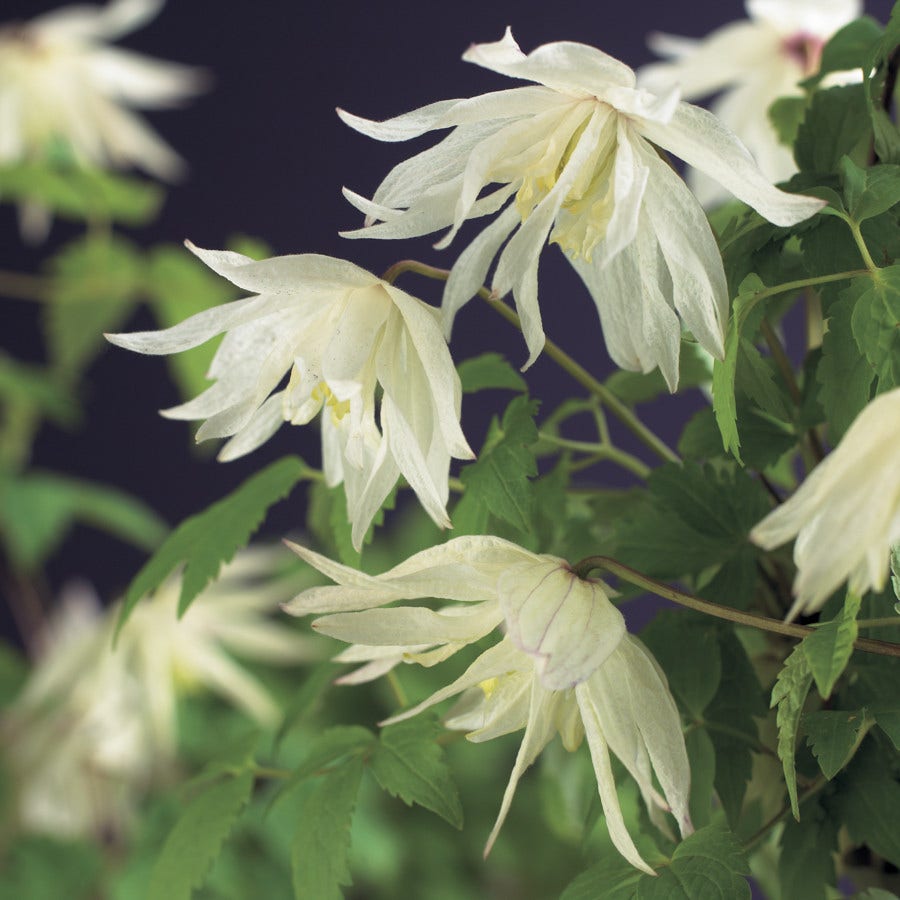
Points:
[[339, 408]]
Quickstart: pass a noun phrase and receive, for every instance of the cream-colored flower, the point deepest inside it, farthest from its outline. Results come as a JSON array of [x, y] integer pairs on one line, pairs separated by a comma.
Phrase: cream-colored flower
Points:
[[566, 664], [341, 333], [846, 515], [752, 62], [95, 726], [572, 159], [60, 81]]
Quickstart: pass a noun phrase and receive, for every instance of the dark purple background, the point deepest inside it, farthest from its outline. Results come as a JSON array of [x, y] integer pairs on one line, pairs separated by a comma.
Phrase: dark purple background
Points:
[[268, 157]]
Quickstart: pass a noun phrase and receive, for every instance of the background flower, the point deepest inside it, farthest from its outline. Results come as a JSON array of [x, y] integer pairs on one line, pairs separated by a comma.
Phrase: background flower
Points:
[[753, 63]]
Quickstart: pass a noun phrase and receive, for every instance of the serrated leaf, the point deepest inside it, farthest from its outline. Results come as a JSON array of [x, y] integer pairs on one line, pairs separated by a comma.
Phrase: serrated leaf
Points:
[[688, 652], [868, 802], [490, 370], [875, 74], [730, 722], [612, 878], [789, 695], [331, 745], [409, 764], [836, 124], [197, 838], [844, 375], [37, 510], [847, 49], [501, 476], [876, 322], [709, 864], [806, 862], [94, 285], [212, 537], [322, 840], [307, 698], [832, 735], [829, 647], [786, 114], [869, 192], [724, 371]]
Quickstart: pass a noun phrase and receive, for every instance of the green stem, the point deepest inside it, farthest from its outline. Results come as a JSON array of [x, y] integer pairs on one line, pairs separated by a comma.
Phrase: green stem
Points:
[[861, 244], [752, 620], [599, 452], [886, 622], [813, 789], [781, 360], [18, 286], [267, 772], [557, 354], [397, 688], [787, 286]]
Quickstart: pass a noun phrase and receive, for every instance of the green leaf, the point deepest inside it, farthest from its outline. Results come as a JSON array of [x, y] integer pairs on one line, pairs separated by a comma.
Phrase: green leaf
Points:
[[206, 540], [869, 192], [875, 74], [197, 838], [38, 389], [709, 864], [330, 746], [786, 114], [724, 371], [612, 878], [37, 510], [829, 647], [95, 284], [806, 862], [490, 370], [322, 840], [895, 570], [848, 49], [832, 736], [789, 695], [688, 652], [876, 322], [843, 373], [836, 124], [79, 193], [702, 757], [868, 802], [307, 698], [730, 722], [500, 478], [409, 764]]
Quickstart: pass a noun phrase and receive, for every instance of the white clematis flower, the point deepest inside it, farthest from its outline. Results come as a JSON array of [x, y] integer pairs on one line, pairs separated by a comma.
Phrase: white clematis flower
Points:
[[846, 515], [566, 664], [340, 332], [572, 159], [752, 62], [95, 726], [59, 81]]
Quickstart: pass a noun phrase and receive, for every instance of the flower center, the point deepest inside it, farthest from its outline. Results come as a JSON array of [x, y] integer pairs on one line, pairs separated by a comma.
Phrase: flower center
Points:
[[488, 686], [339, 408], [805, 50]]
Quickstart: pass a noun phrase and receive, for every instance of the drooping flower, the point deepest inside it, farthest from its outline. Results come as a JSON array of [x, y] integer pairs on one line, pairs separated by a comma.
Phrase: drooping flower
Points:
[[572, 160], [60, 82], [340, 332], [95, 726], [752, 62], [846, 515], [565, 665]]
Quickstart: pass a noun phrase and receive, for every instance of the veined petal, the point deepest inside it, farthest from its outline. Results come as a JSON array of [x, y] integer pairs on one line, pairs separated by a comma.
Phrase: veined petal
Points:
[[400, 128], [702, 141], [261, 426], [564, 66]]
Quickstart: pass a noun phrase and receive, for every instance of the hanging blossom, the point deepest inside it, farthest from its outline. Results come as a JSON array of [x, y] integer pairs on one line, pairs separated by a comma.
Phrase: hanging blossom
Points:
[[59, 81], [573, 161], [846, 515], [752, 62], [95, 725], [565, 665], [341, 333]]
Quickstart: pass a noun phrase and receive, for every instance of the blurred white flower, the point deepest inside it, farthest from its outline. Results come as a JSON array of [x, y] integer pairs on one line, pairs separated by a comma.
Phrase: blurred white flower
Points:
[[846, 515], [341, 333], [752, 62], [566, 664], [60, 82], [576, 153], [95, 727]]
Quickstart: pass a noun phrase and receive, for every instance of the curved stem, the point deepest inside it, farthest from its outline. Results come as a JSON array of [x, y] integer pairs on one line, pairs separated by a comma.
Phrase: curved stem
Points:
[[397, 688], [885, 622], [753, 620], [18, 286], [599, 452], [813, 789], [861, 244]]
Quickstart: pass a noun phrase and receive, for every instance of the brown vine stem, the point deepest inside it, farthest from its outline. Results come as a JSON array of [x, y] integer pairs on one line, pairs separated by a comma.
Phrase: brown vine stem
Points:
[[790, 629], [558, 355], [18, 286]]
